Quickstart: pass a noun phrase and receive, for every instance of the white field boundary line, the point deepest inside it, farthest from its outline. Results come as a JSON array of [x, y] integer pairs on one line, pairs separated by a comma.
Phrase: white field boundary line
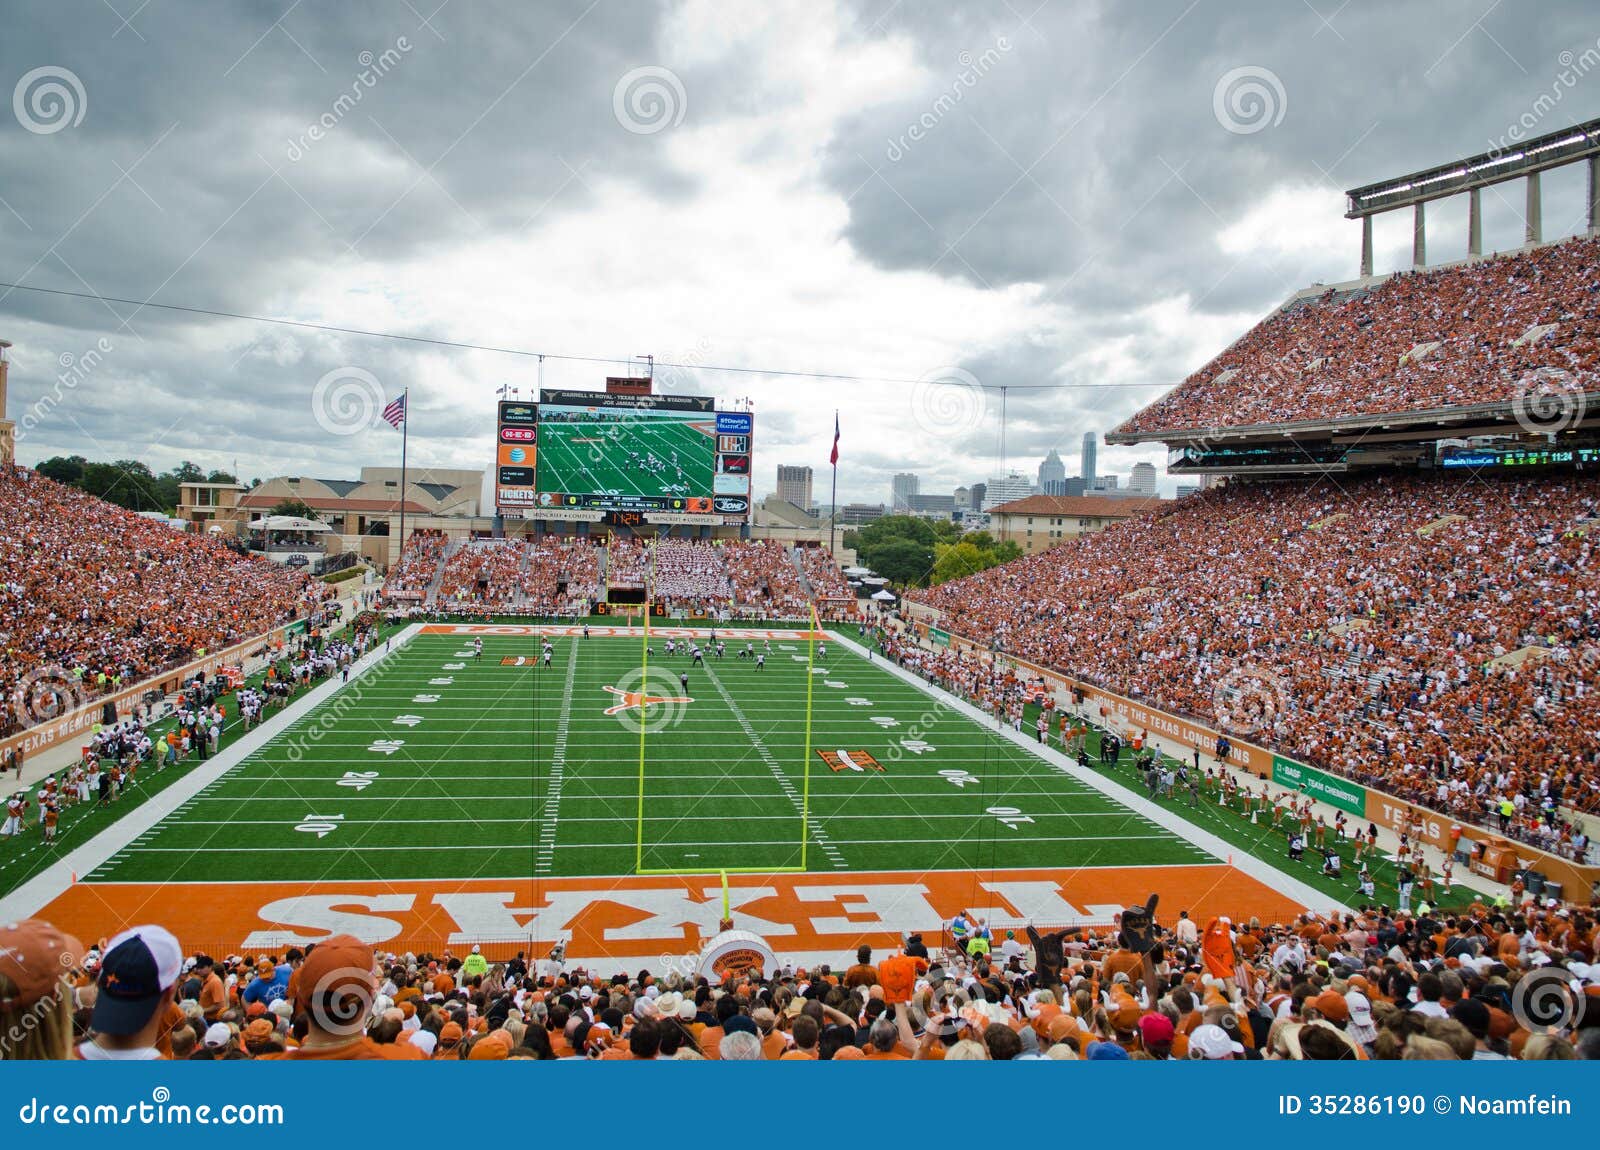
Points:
[[570, 846], [810, 827], [707, 876], [1286, 884], [51, 883], [546, 854]]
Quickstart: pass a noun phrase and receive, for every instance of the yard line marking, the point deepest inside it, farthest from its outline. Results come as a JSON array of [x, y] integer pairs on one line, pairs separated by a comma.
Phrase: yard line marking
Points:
[[760, 746], [558, 768]]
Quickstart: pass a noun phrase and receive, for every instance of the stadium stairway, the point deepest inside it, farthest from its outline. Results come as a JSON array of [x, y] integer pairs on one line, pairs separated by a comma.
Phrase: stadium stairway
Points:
[[800, 569], [524, 567], [431, 595]]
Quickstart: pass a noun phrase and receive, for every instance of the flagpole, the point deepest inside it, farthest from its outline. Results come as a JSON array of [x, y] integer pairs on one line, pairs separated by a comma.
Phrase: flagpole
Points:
[[833, 498], [405, 435]]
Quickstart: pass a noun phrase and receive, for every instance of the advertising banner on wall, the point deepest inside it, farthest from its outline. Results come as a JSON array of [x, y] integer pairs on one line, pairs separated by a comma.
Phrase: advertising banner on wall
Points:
[[1330, 789]]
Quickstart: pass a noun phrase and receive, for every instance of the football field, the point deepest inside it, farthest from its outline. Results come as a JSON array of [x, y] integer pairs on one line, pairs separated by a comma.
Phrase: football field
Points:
[[628, 800], [646, 457], [448, 765]]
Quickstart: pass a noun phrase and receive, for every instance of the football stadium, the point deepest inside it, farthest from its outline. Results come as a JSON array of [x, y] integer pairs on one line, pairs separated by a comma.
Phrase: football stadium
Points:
[[580, 749]]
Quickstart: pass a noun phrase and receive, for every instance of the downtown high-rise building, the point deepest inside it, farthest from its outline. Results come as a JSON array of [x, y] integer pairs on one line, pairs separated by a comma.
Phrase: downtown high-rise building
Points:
[[794, 485], [1143, 479], [901, 489], [1051, 470], [1087, 467], [1005, 488]]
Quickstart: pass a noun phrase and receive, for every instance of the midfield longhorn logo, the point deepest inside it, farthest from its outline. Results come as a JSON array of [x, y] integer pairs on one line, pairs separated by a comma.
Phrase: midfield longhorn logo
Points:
[[639, 700]]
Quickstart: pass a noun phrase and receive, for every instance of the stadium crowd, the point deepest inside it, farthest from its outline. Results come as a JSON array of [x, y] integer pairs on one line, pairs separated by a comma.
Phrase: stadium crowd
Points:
[[627, 563], [150, 740], [689, 573], [1358, 353], [414, 573], [483, 573], [1434, 638], [94, 597], [1482, 985], [824, 576], [563, 577]]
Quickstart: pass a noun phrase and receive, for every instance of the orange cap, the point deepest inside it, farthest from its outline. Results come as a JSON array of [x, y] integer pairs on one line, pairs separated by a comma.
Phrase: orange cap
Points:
[[34, 957], [341, 964]]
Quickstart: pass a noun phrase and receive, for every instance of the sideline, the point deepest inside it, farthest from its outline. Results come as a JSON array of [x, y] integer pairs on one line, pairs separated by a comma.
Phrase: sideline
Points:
[[49, 884], [1290, 886]]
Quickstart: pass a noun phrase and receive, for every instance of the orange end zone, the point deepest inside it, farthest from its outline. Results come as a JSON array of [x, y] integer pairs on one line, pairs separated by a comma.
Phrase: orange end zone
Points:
[[654, 919]]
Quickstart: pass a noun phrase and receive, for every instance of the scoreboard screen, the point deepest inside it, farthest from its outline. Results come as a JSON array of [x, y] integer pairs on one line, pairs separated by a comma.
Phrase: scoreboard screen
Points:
[[1577, 457], [599, 451]]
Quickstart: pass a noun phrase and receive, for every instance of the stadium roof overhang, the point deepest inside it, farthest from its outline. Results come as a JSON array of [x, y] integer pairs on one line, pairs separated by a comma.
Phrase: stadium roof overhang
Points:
[[1552, 150], [1499, 418]]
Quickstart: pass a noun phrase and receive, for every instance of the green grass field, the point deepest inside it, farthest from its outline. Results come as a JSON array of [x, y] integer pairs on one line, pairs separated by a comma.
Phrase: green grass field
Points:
[[440, 765], [674, 457]]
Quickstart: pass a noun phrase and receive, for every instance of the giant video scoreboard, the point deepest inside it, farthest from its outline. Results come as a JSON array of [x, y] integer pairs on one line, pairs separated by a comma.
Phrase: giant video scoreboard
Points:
[[587, 451]]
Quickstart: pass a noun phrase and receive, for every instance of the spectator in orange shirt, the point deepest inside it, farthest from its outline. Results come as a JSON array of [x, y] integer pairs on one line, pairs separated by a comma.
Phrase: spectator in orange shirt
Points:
[[863, 973], [337, 987]]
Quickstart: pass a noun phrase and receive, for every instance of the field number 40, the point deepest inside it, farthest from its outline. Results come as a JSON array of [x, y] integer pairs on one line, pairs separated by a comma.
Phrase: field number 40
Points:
[[320, 825]]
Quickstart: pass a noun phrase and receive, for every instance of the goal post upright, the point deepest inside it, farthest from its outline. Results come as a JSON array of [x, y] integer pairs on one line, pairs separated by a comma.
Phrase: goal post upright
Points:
[[805, 766], [644, 678]]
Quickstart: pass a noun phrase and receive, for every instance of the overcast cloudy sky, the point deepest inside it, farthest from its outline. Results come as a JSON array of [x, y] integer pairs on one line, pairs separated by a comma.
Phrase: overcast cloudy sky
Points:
[[1005, 193]]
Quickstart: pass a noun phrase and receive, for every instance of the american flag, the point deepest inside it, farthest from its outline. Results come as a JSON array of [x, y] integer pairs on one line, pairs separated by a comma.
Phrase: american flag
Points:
[[395, 414]]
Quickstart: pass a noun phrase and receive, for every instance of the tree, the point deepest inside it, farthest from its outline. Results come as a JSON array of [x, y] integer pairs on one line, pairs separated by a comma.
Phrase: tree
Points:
[[901, 560], [66, 469], [127, 483], [220, 477], [971, 555], [955, 560], [895, 527], [187, 472], [296, 507]]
